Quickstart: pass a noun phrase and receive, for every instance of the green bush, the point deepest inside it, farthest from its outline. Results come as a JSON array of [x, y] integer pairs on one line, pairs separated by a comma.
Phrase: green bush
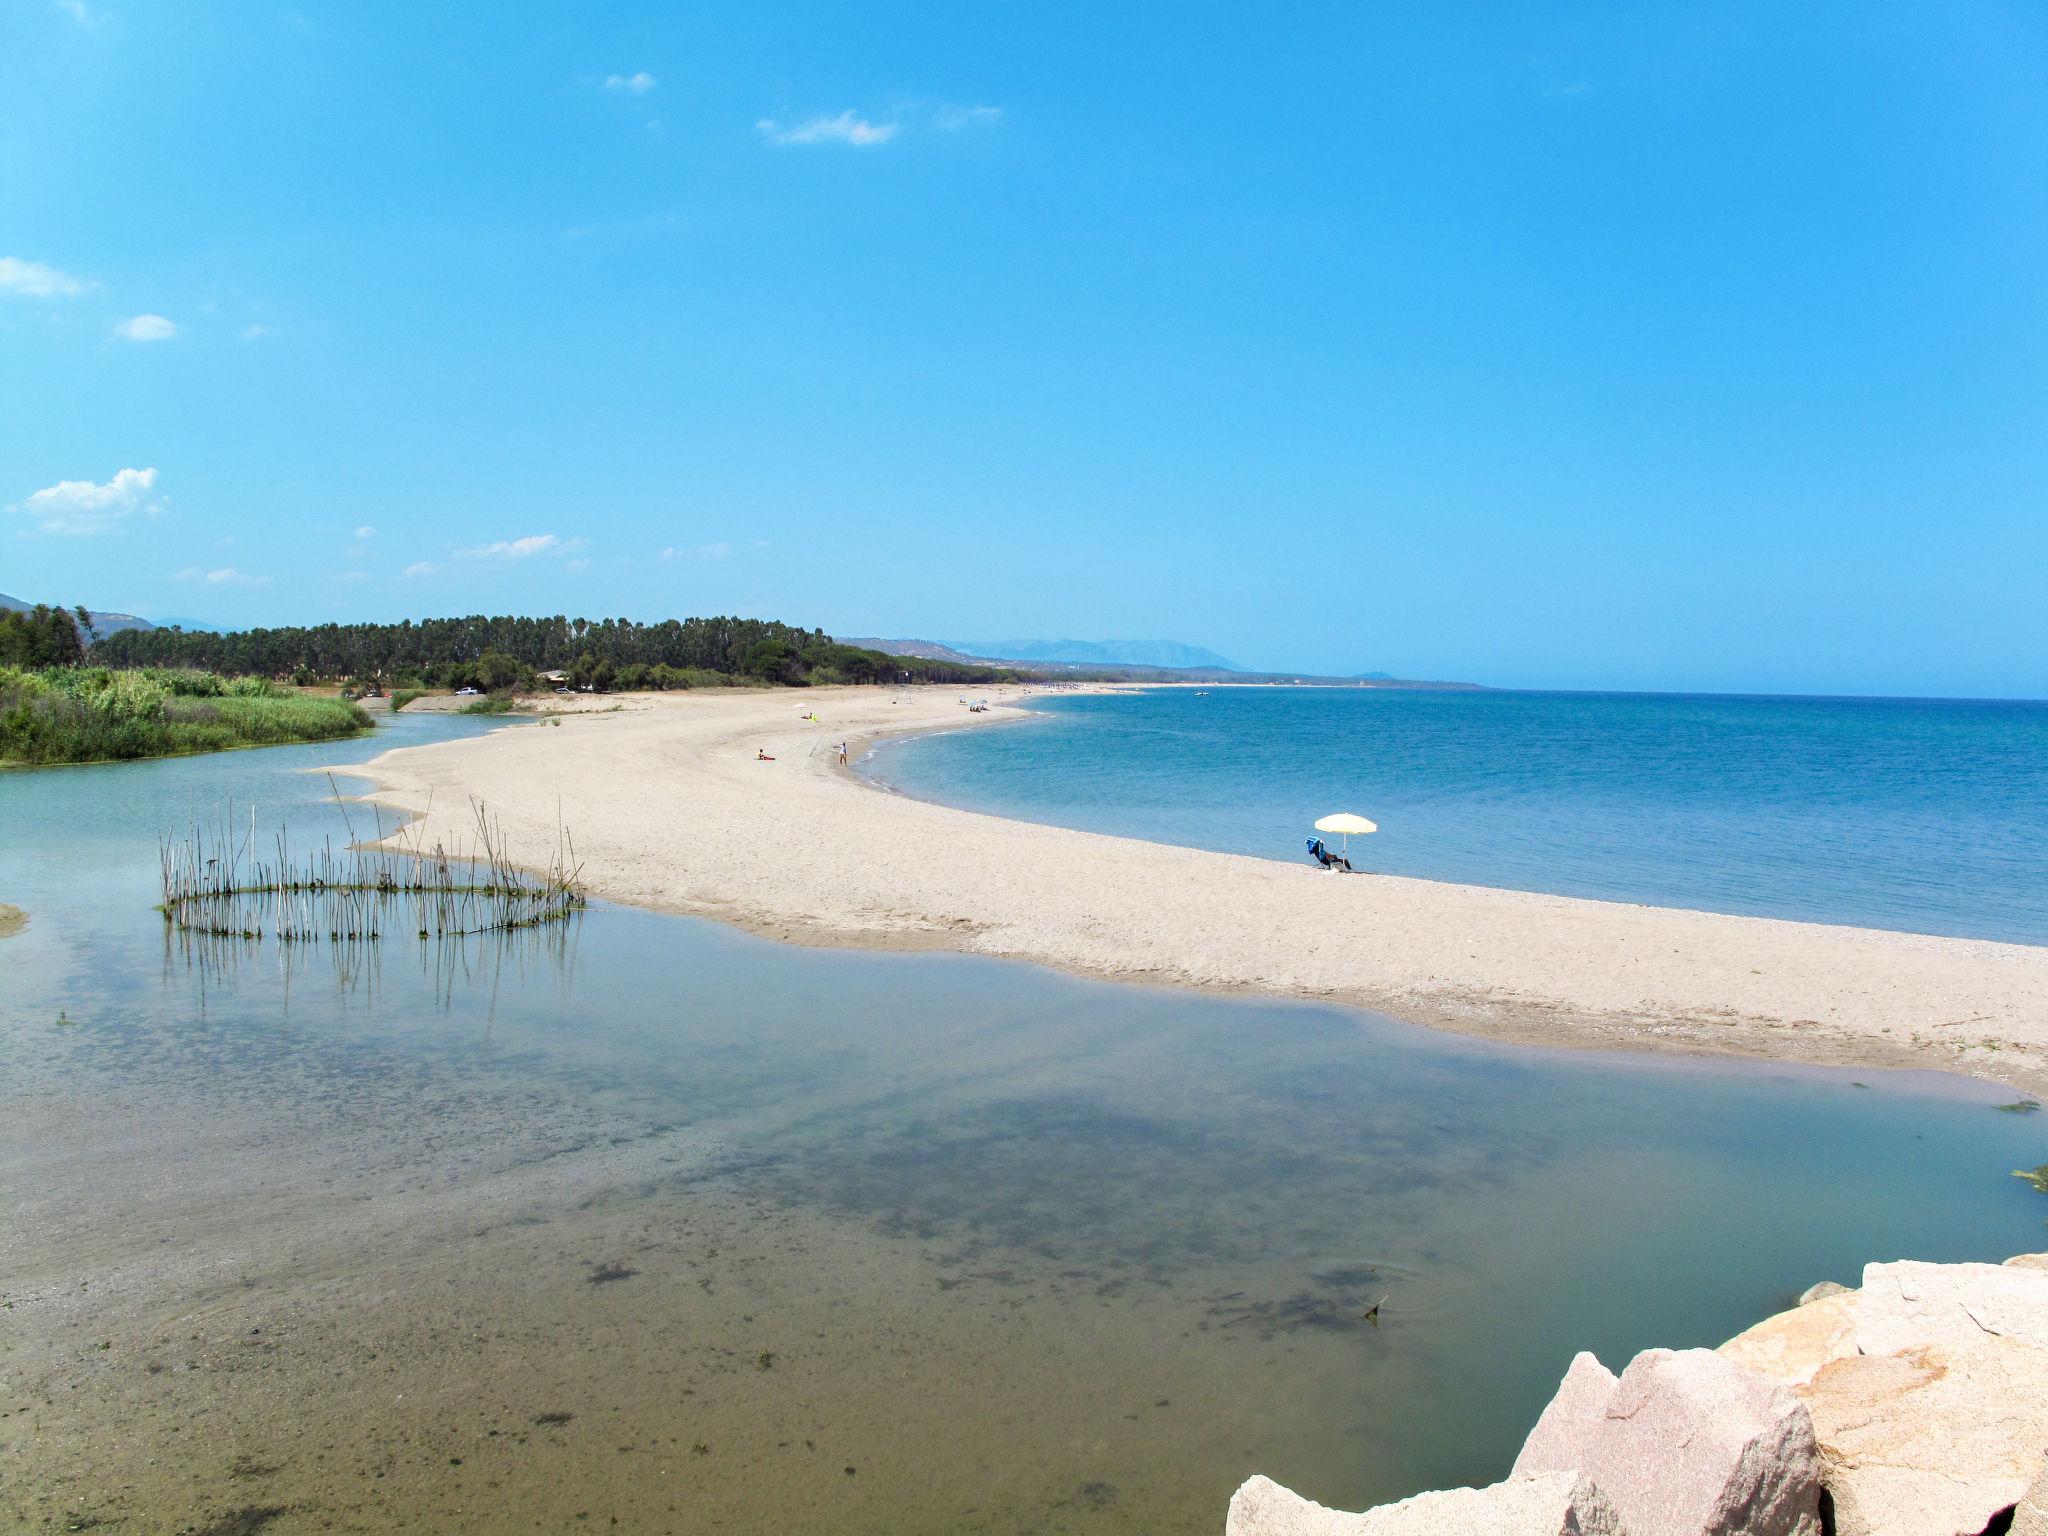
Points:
[[94, 714], [405, 696]]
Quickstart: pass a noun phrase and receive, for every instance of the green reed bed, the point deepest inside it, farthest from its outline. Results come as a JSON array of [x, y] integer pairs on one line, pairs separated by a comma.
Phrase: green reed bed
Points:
[[221, 883], [96, 714]]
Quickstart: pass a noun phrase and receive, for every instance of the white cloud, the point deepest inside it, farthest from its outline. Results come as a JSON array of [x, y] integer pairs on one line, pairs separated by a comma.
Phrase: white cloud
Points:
[[522, 549], [953, 119], [697, 551], [636, 84], [576, 565], [76, 10], [37, 281], [226, 576], [846, 128], [254, 332], [146, 328], [421, 568], [349, 578], [80, 506], [365, 533]]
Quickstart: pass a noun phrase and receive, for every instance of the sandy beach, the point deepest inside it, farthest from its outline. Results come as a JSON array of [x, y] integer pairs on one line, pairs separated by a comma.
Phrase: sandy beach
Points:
[[670, 807]]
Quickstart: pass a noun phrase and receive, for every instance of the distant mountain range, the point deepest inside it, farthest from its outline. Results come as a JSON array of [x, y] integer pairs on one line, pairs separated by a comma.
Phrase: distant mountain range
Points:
[[1116, 658], [1100, 653], [107, 623]]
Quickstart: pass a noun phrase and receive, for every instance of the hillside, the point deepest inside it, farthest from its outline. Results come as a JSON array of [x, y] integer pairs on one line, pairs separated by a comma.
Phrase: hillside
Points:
[[933, 650], [1101, 653], [106, 622]]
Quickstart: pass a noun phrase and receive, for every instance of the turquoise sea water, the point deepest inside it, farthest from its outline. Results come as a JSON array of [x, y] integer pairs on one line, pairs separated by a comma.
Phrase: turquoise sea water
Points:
[[1144, 1225], [1928, 816]]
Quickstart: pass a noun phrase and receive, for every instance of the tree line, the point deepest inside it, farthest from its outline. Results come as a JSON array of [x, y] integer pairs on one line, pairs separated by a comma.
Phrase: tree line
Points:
[[42, 636], [502, 652]]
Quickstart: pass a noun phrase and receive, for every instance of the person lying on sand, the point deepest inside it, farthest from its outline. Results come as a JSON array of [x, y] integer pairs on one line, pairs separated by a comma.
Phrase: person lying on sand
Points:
[[761, 755], [1327, 859]]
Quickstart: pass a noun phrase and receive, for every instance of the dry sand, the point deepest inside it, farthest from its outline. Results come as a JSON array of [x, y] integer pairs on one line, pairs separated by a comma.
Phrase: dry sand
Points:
[[670, 808]]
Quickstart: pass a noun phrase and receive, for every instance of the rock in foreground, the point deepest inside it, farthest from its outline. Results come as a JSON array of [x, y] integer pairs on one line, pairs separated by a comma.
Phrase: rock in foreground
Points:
[[1914, 1406], [1928, 1389], [1555, 1504], [1685, 1443]]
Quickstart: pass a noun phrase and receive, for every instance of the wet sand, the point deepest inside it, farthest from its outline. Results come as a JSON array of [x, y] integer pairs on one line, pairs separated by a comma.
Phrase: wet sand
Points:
[[253, 1321], [670, 807]]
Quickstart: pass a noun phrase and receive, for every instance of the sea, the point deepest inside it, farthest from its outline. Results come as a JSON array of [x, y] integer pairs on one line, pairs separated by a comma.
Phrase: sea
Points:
[[1920, 815], [645, 1223]]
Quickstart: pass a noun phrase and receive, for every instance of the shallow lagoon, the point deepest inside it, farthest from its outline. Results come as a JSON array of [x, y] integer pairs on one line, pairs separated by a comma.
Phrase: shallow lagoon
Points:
[[670, 1225]]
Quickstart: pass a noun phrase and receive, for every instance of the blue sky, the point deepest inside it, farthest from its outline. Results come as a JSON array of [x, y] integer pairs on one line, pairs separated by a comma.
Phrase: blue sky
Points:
[[1590, 346]]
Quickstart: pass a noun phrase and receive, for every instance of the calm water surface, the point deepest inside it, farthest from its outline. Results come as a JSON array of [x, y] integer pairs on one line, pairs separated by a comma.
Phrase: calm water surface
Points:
[[1928, 816], [659, 1222]]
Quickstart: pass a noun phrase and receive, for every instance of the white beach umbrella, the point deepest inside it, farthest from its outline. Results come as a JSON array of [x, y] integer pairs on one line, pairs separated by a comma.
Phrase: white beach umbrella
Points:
[[1344, 824]]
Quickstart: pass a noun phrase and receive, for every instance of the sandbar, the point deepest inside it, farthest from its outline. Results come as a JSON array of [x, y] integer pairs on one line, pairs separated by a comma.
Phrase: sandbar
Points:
[[670, 807]]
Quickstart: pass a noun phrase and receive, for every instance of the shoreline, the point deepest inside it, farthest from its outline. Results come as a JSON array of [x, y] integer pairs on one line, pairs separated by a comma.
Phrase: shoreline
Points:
[[670, 810]]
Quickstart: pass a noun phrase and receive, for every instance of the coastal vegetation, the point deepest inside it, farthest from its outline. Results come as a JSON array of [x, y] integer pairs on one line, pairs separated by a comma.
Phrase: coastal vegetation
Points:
[[71, 695], [497, 654], [78, 714], [42, 636]]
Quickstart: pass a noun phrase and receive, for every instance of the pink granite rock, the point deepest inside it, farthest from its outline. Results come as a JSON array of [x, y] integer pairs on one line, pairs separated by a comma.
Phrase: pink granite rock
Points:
[[1684, 1443], [2030, 1515], [1909, 1304], [1931, 1441], [1821, 1290], [1556, 1504], [1790, 1347]]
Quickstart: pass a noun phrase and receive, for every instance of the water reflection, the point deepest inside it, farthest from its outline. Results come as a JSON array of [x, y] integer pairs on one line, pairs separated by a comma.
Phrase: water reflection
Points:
[[438, 966]]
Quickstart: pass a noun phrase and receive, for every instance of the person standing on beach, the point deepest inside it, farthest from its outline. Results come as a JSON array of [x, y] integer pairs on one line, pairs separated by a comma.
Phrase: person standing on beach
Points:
[[842, 754]]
